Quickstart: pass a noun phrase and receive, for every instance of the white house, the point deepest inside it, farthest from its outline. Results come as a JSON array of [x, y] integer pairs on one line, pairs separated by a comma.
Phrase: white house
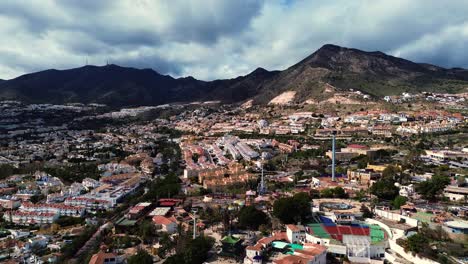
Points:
[[295, 233], [167, 224], [455, 193]]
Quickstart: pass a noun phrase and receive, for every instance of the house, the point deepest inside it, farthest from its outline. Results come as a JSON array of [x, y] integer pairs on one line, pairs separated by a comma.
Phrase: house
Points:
[[10, 203], [30, 218], [351, 151], [167, 224], [295, 233], [444, 155], [89, 183], [406, 190], [381, 130], [39, 241], [255, 254], [363, 176], [309, 254], [455, 193], [60, 209], [104, 258], [456, 227], [138, 210]]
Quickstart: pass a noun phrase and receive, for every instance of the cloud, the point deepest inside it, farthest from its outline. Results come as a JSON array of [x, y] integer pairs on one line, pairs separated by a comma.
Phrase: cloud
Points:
[[211, 39], [447, 47]]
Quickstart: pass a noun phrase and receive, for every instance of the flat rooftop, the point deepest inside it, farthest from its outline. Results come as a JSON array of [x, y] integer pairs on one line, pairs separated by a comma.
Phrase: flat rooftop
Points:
[[125, 222], [160, 211]]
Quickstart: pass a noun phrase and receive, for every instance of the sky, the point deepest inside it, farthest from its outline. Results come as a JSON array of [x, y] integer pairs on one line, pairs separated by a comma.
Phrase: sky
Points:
[[211, 39]]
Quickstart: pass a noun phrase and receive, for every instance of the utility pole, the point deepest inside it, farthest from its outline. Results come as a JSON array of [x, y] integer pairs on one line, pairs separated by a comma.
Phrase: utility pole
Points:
[[194, 216], [262, 186], [333, 154], [262, 182]]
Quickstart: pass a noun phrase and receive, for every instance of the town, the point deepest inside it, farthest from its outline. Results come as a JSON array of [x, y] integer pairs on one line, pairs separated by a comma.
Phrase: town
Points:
[[351, 180]]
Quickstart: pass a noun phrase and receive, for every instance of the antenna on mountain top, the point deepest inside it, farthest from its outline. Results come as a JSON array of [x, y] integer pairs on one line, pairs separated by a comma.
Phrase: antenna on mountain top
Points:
[[107, 62], [86, 61]]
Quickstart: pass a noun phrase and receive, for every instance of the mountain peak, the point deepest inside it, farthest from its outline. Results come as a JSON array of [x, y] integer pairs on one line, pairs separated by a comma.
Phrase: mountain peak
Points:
[[259, 70], [330, 47]]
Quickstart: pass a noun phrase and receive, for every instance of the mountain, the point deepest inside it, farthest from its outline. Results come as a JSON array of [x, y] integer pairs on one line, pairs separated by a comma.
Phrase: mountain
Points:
[[374, 73], [111, 84], [342, 68]]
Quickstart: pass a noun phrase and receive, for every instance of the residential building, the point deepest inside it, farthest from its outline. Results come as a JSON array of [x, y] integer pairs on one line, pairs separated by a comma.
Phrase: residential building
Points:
[[167, 224], [105, 258], [363, 176], [295, 233], [455, 193]]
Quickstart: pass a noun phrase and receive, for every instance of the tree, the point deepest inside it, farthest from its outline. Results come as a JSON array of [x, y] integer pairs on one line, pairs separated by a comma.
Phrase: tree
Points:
[[362, 163], [163, 188], [141, 257], [37, 198], [251, 218], [361, 160], [461, 180], [359, 195], [198, 250], [264, 229], [195, 252], [326, 193], [74, 172], [146, 231], [385, 188], [336, 192], [432, 188], [399, 201], [68, 221], [283, 209], [6, 170], [339, 192], [293, 209], [416, 243], [390, 172], [211, 216], [166, 244], [366, 212]]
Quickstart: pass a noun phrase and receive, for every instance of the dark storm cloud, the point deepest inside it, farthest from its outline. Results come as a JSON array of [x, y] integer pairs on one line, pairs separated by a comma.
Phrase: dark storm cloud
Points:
[[31, 20], [222, 39], [208, 23]]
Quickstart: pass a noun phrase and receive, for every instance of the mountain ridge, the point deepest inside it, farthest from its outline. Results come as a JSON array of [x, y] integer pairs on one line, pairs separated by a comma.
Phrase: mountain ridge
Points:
[[374, 73]]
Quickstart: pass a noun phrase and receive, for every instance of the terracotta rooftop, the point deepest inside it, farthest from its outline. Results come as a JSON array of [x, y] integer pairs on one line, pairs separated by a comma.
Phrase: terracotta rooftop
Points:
[[162, 220], [291, 259], [101, 257]]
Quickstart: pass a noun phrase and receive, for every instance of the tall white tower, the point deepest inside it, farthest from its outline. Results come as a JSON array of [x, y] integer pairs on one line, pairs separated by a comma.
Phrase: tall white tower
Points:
[[333, 154]]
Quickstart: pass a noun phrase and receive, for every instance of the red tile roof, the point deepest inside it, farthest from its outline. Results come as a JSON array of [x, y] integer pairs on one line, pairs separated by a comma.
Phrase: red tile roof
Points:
[[293, 228], [291, 259], [162, 220], [99, 257], [357, 146]]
